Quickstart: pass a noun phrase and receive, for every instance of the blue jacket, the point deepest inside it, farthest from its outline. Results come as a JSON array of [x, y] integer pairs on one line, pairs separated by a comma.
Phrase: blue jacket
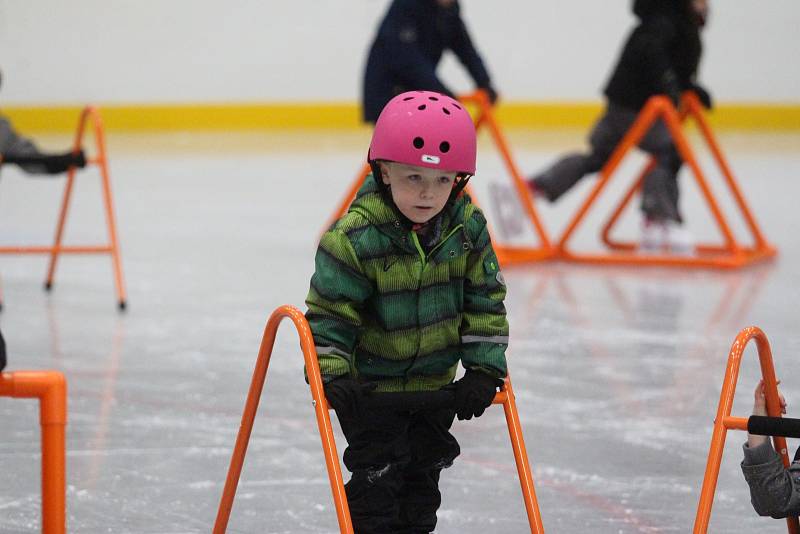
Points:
[[407, 49]]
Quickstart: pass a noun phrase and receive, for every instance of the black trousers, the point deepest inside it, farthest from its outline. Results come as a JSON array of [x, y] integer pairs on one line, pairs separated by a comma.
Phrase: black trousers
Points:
[[395, 459], [2, 352], [660, 188]]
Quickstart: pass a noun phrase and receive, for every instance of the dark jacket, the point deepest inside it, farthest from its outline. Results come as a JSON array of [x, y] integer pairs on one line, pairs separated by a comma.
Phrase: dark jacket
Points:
[[661, 55], [385, 309], [2, 352], [22, 151], [407, 49]]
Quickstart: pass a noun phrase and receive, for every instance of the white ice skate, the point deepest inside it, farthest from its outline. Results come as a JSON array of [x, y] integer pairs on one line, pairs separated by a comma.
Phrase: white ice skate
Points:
[[678, 239], [652, 237]]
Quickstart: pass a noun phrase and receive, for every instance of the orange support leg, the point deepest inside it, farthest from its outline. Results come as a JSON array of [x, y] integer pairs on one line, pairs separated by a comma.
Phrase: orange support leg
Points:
[[112, 247], [507, 399], [320, 408], [508, 255], [695, 109], [320, 403], [724, 421], [50, 387]]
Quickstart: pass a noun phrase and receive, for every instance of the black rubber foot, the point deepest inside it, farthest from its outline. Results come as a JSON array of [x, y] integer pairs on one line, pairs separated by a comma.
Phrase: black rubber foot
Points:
[[48, 286], [123, 305]]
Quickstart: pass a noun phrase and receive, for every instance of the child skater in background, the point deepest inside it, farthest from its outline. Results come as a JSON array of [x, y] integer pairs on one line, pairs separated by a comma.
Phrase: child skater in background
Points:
[[661, 56], [409, 44], [22, 151], [407, 285], [774, 489]]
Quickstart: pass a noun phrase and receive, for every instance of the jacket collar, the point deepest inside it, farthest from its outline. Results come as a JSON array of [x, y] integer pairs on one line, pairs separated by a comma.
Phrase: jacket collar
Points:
[[379, 210]]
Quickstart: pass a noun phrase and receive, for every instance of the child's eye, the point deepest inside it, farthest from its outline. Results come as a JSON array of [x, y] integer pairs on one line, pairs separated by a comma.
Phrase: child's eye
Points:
[[445, 179], [414, 177]]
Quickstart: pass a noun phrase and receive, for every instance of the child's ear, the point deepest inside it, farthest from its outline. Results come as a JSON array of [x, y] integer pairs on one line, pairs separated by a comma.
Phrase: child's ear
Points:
[[384, 172]]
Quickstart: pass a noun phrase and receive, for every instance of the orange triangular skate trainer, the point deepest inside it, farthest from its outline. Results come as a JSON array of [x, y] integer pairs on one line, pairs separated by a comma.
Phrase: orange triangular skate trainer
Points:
[[730, 254], [57, 248]]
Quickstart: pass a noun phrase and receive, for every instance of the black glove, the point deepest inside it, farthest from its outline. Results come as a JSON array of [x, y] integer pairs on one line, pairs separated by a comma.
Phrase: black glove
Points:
[[62, 162], [52, 164], [346, 395], [704, 96], [474, 393], [491, 93]]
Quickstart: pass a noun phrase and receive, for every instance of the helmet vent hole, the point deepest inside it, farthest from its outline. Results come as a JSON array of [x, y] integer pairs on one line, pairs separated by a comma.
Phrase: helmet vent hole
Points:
[[457, 106], [419, 142], [444, 147], [446, 111], [422, 107], [433, 98], [406, 99]]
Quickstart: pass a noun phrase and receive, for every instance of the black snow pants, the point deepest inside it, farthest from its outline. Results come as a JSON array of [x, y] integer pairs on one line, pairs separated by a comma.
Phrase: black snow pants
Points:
[[395, 459]]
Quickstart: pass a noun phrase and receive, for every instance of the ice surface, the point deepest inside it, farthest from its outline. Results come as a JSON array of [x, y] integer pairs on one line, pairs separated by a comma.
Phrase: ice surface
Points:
[[617, 370]]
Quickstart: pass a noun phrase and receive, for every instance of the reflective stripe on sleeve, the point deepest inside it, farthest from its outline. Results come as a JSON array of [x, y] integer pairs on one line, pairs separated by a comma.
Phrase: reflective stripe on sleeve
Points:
[[503, 340], [330, 350]]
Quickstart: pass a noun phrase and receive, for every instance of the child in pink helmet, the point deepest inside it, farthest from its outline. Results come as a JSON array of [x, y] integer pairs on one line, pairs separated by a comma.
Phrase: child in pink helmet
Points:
[[406, 286]]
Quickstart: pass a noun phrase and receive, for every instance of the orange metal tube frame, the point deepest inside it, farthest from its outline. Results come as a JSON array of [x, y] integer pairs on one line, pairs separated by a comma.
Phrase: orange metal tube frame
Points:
[[88, 113], [724, 421], [50, 387], [660, 107], [691, 106], [320, 403], [485, 116]]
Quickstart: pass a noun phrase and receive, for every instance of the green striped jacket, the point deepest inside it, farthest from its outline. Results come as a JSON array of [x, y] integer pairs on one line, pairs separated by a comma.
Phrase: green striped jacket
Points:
[[382, 309]]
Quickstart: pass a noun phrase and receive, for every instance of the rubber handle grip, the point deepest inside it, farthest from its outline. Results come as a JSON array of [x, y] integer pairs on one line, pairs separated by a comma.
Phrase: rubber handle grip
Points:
[[773, 426]]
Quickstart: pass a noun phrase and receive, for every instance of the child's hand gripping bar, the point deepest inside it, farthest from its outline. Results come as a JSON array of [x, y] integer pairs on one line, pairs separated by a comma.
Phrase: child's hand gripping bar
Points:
[[773, 426]]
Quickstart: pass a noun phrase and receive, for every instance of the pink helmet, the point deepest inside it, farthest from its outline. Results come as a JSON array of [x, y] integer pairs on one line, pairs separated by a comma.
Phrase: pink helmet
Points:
[[427, 129]]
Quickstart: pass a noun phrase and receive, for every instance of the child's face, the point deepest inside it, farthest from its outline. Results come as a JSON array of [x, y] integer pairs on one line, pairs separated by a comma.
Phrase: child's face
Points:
[[419, 193]]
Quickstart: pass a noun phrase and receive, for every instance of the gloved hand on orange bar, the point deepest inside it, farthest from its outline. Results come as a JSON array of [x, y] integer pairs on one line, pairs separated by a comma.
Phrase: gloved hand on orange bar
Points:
[[491, 93], [474, 393], [704, 96], [48, 163]]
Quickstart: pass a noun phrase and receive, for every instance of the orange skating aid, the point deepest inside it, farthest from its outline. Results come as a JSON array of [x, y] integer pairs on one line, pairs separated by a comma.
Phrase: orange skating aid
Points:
[[320, 403], [50, 387], [724, 421], [730, 254], [57, 248]]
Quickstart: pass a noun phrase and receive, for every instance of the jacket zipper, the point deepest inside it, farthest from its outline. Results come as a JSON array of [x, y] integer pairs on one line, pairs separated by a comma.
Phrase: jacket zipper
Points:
[[423, 263]]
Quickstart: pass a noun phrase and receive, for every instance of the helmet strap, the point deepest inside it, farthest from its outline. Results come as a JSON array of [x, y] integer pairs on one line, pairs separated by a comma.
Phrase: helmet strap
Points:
[[459, 186]]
